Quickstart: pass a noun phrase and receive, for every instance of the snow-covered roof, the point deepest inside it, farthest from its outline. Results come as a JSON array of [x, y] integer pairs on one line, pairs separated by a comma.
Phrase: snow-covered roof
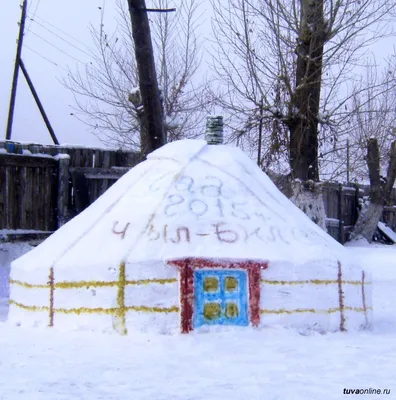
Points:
[[188, 199]]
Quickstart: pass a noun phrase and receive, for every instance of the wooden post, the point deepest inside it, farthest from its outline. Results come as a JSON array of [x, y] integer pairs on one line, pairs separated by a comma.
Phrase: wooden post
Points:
[[38, 102], [355, 210], [63, 190], [16, 71], [144, 54], [341, 213], [260, 133], [348, 161]]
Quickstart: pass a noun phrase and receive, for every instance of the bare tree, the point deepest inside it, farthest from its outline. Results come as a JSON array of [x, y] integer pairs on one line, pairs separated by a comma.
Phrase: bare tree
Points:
[[372, 145], [380, 191], [293, 62], [373, 117], [107, 91]]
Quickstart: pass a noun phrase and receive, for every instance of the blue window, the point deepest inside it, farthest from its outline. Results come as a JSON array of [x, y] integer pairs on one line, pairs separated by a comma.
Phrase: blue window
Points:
[[220, 297]]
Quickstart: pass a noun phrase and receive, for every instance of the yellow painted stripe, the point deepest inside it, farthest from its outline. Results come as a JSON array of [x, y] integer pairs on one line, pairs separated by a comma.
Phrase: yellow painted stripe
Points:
[[82, 284], [148, 281], [312, 281], [153, 309], [93, 284], [29, 308], [98, 310], [28, 285], [86, 310], [120, 312], [312, 310]]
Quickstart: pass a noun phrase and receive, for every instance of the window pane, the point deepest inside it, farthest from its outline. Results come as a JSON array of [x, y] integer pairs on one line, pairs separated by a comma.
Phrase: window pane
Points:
[[211, 284], [231, 284], [232, 310], [212, 311]]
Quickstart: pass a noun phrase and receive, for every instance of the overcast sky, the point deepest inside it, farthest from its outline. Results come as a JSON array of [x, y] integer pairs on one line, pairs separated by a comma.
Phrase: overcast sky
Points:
[[47, 65]]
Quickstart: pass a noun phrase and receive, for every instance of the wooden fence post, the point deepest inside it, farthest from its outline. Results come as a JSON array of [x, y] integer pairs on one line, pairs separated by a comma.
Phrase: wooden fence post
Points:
[[63, 189], [341, 213], [355, 210]]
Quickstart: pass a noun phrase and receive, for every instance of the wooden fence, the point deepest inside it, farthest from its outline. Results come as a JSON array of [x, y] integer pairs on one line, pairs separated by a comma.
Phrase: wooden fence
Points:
[[341, 205], [41, 189], [28, 192]]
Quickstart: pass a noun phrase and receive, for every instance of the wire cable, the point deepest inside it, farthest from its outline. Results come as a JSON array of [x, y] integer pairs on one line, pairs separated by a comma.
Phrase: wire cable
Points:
[[33, 16], [56, 47], [45, 58], [60, 30], [61, 38]]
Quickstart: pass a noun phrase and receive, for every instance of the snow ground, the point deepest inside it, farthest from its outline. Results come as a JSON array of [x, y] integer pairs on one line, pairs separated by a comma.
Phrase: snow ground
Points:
[[273, 363]]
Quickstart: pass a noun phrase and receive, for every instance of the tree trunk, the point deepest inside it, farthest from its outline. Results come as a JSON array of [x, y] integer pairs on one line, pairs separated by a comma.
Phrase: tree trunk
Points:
[[136, 99], [151, 99], [379, 193], [305, 103], [308, 197]]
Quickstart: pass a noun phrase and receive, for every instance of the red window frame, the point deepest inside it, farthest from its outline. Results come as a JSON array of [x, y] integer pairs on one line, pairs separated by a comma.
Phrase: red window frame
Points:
[[187, 266]]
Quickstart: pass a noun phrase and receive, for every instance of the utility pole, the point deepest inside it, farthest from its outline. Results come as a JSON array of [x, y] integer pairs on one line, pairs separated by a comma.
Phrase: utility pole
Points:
[[19, 64], [38, 102], [16, 71], [149, 91]]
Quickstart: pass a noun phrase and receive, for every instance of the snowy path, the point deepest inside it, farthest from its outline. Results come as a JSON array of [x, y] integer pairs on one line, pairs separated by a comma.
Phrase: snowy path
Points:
[[269, 364]]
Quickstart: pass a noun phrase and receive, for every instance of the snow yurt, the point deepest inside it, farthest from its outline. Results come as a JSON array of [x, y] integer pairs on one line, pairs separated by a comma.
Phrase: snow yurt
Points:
[[193, 238]]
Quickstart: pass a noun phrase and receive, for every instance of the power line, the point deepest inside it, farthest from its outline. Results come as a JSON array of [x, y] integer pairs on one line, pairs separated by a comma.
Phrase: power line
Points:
[[45, 58], [60, 30], [56, 47], [34, 14], [60, 37]]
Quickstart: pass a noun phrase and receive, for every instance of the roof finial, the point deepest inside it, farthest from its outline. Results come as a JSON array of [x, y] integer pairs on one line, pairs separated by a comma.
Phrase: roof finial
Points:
[[214, 130]]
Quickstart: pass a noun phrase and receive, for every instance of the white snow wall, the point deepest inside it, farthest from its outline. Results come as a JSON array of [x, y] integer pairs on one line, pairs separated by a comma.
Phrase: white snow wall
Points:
[[322, 295], [139, 297], [146, 297]]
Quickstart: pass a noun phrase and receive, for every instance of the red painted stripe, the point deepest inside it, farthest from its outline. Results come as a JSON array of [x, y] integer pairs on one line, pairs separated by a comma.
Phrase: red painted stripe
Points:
[[254, 293]]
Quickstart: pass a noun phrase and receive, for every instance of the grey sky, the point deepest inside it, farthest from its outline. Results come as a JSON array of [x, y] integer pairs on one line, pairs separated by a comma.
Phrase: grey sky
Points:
[[72, 17]]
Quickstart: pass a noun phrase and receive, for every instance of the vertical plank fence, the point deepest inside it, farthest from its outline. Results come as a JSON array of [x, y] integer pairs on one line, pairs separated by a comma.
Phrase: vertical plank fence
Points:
[[341, 206], [28, 192], [43, 186]]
